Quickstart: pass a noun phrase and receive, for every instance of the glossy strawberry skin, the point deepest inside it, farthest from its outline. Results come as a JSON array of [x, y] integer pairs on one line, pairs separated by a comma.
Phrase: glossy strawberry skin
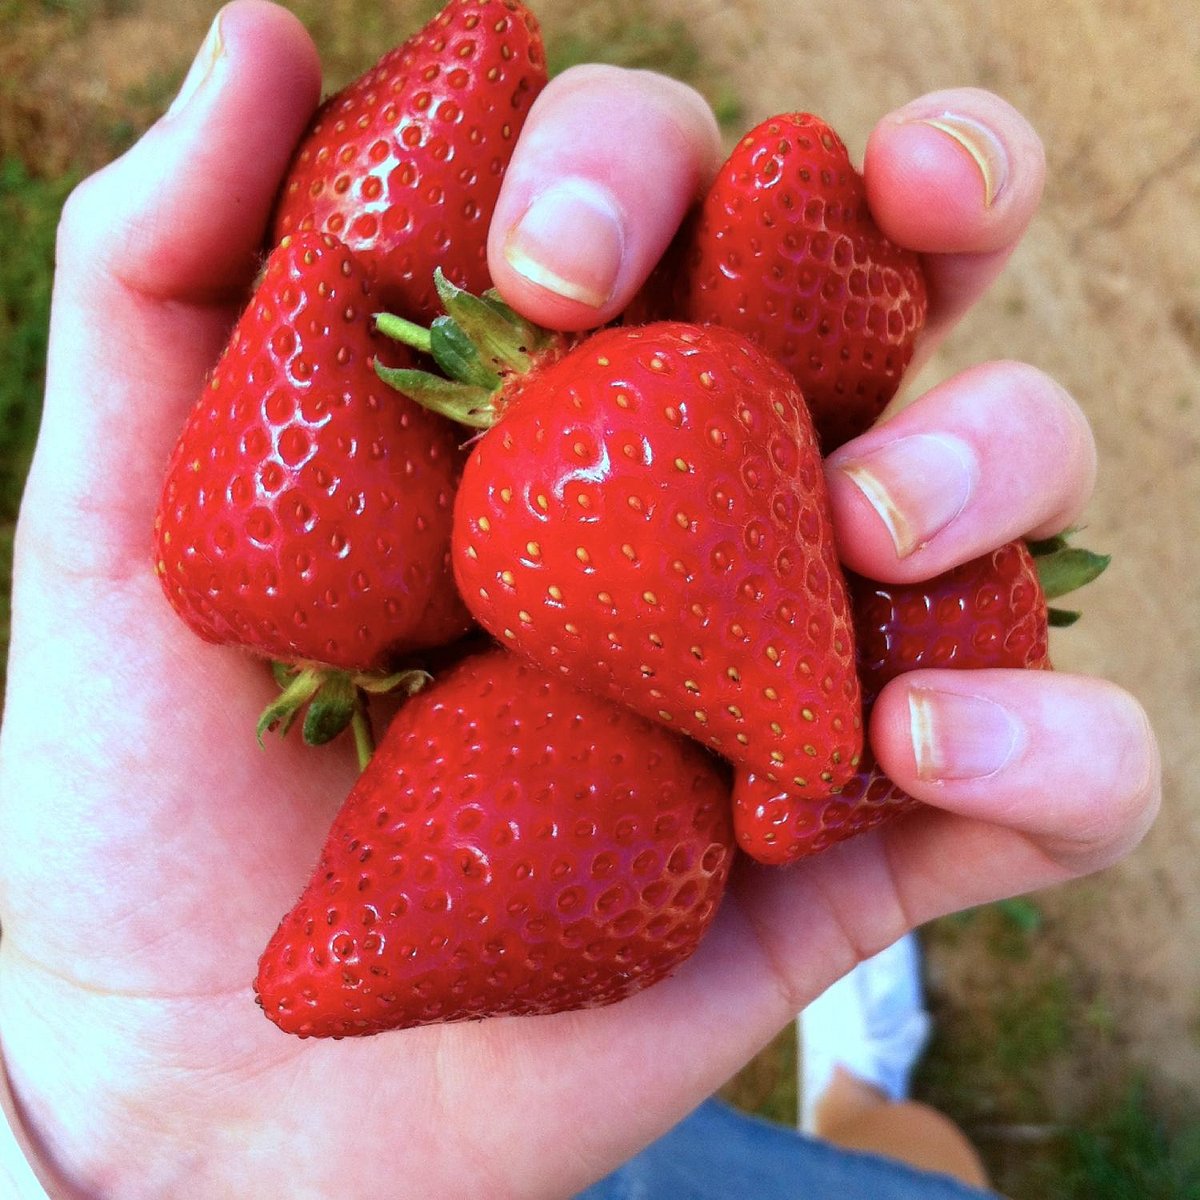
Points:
[[650, 517], [404, 164], [306, 513], [515, 847], [784, 249], [990, 612]]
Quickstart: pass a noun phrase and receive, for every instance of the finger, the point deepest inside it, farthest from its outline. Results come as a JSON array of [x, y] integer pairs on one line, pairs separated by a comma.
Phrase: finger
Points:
[[997, 452], [607, 164], [154, 253], [1030, 778], [956, 175], [1050, 775], [1081, 792]]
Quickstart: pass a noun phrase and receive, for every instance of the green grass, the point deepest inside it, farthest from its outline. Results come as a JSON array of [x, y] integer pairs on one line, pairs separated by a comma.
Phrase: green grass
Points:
[[768, 1084], [630, 33], [992, 1065], [1129, 1153], [29, 209]]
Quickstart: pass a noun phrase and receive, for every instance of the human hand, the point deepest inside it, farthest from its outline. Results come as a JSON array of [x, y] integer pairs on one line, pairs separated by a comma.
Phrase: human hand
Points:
[[150, 846]]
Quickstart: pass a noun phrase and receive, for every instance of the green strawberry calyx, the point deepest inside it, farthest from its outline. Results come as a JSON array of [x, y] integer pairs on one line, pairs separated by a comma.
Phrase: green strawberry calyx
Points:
[[478, 344], [331, 701], [1063, 568]]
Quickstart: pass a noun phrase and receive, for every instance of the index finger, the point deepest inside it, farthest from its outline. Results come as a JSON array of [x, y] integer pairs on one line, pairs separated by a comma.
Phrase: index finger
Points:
[[606, 166]]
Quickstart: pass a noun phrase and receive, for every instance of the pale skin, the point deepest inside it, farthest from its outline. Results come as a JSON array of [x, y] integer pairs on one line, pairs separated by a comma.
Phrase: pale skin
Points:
[[150, 847]]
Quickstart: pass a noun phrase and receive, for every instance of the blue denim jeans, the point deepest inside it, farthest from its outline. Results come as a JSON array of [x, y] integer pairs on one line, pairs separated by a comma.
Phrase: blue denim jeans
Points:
[[719, 1153]]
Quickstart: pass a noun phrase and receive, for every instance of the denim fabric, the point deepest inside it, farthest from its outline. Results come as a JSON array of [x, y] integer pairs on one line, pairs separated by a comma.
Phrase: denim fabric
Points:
[[719, 1153]]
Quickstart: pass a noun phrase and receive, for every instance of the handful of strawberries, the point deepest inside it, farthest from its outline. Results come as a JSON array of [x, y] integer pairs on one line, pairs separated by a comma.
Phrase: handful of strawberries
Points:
[[615, 605]]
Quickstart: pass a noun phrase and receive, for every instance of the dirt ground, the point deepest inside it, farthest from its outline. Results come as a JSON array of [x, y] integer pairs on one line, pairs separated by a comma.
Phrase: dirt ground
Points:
[[1104, 294]]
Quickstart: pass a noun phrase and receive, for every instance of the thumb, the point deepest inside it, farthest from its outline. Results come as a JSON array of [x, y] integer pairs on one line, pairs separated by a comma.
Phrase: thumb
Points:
[[155, 252], [181, 215]]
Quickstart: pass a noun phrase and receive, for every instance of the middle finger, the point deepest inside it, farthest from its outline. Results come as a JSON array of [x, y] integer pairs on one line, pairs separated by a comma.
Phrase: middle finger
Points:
[[998, 451]]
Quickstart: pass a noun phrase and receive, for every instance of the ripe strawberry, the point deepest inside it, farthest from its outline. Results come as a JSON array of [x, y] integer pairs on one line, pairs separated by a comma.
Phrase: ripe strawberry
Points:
[[404, 165], [990, 612], [306, 512], [650, 517], [516, 846], [784, 249]]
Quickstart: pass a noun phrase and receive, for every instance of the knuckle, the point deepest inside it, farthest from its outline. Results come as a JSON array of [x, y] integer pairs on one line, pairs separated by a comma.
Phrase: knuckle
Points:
[[80, 216], [1127, 790], [1137, 795]]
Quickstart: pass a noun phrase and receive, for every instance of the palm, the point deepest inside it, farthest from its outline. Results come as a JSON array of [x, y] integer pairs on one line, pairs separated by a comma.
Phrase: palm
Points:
[[177, 886], [150, 845], [184, 872]]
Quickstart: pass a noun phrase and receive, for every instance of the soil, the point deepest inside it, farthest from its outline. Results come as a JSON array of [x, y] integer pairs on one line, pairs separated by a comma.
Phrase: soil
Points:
[[1104, 294]]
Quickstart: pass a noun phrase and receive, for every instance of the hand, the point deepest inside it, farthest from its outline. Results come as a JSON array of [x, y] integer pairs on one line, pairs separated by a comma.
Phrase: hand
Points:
[[151, 847]]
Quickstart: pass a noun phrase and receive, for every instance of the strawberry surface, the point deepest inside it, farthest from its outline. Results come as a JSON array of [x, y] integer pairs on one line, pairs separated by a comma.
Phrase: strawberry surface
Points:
[[406, 162], [990, 612], [649, 517], [784, 249], [306, 513], [515, 847]]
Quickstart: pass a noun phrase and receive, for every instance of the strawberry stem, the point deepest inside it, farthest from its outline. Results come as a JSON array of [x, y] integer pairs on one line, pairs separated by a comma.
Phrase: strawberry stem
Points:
[[1061, 569], [299, 686], [1068, 568], [458, 402], [407, 332], [332, 700], [478, 344], [364, 736]]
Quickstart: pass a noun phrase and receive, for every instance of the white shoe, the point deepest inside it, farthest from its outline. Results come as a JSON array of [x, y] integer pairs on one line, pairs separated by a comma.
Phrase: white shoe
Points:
[[871, 1022]]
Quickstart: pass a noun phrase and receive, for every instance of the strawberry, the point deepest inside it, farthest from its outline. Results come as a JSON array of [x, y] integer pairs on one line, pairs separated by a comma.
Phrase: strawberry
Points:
[[306, 512], [404, 164], [784, 249], [516, 846], [990, 612], [649, 516]]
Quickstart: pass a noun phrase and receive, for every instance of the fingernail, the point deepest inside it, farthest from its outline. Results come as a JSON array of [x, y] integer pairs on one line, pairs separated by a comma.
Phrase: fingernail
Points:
[[570, 242], [202, 66], [985, 148], [958, 736], [917, 484]]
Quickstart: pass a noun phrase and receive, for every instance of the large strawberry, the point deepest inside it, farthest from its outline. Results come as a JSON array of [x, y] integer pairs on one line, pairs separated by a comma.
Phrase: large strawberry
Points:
[[516, 846], [649, 516], [404, 164], [306, 512], [990, 612], [784, 249]]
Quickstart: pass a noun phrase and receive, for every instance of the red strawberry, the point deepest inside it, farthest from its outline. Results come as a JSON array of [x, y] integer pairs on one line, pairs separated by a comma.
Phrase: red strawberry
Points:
[[650, 517], [990, 612], [307, 508], [516, 846], [405, 164], [783, 248]]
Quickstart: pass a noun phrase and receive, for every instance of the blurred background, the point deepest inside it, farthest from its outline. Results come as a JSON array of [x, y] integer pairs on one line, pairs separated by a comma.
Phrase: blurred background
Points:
[[1068, 1023]]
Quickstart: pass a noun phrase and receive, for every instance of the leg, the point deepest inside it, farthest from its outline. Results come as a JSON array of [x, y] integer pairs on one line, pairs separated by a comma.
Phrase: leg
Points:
[[858, 1044], [853, 1114]]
